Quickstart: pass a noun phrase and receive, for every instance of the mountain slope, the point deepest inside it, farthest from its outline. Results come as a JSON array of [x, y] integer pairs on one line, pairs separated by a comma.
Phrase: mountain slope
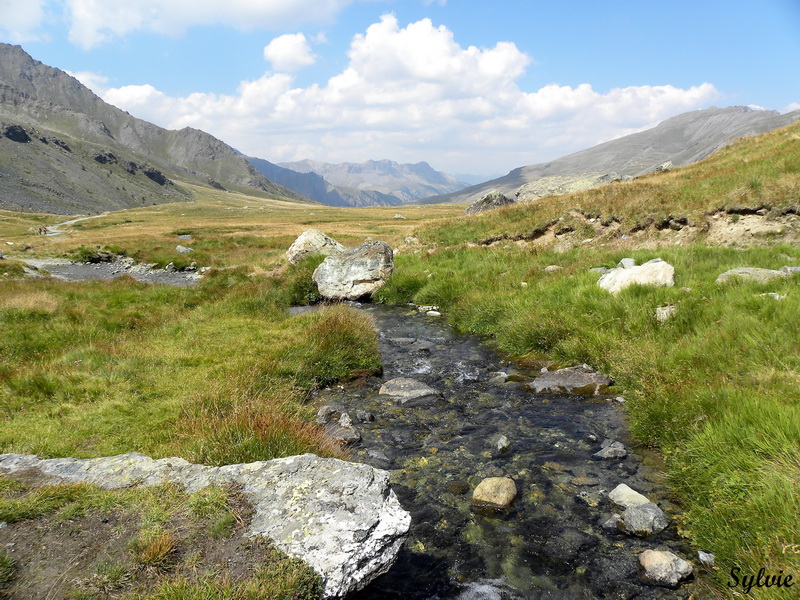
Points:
[[50, 102], [406, 182], [682, 140], [315, 187]]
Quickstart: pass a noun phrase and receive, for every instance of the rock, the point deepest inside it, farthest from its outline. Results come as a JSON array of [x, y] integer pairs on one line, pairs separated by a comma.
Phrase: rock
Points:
[[502, 444], [663, 568], [706, 558], [328, 414], [600, 270], [552, 268], [427, 308], [16, 133], [790, 270], [183, 249], [664, 313], [344, 434], [665, 166], [400, 217], [626, 263], [653, 272], [354, 273], [490, 201], [624, 496], [498, 377], [574, 380], [341, 518], [410, 240], [611, 449], [106, 158], [433, 313], [364, 416], [345, 420], [311, 243], [643, 520], [495, 491], [773, 295], [611, 525], [155, 175], [751, 274], [404, 389]]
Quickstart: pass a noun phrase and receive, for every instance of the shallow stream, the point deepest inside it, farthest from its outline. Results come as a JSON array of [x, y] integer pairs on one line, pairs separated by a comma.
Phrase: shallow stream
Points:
[[550, 543]]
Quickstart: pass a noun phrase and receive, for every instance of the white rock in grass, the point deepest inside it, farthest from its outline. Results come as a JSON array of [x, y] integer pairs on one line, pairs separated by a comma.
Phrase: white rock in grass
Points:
[[312, 242], [654, 272]]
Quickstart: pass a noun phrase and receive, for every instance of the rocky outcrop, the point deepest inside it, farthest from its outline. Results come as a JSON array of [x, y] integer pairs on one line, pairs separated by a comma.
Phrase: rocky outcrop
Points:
[[573, 380], [312, 242], [562, 184], [752, 274], [490, 201], [654, 272], [355, 273], [339, 517]]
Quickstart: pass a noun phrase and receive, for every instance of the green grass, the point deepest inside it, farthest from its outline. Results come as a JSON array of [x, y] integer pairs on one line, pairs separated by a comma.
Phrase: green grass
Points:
[[714, 388], [214, 374]]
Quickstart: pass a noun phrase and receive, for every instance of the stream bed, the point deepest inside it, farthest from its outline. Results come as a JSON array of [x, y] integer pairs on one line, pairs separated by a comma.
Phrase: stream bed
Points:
[[550, 543]]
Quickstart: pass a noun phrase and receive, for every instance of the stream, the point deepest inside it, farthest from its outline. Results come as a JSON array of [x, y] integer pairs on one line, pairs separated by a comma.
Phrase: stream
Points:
[[549, 544]]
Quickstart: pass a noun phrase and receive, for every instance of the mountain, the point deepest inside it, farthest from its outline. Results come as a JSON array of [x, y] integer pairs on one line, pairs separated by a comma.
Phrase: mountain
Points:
[[682, 140], [315, 187], [404, 182], [75, 140]]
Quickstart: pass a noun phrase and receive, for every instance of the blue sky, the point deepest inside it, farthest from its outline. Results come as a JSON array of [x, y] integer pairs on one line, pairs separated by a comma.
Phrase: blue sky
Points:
[[469, 86]]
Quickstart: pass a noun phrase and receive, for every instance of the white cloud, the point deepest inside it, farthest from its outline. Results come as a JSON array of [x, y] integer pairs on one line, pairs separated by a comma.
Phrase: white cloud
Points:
[[93, 22], [19, 19], [413, 93], [289, 52], [791, 107]]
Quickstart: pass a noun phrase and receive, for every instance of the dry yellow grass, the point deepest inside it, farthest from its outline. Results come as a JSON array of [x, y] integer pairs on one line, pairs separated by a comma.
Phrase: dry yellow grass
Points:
[[24, 300]]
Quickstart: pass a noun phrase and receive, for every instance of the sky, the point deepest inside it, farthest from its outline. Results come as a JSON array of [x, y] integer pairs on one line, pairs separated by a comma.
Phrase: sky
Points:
[[470, 86]]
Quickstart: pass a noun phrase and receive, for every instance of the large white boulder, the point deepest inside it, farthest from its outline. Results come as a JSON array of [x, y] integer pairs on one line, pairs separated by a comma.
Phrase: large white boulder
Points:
[[355, 273], [653, 272], [310, 243], [341, 518]]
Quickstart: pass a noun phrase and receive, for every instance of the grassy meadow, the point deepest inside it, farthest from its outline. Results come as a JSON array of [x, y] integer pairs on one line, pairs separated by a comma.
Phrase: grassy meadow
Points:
[[220, 373]]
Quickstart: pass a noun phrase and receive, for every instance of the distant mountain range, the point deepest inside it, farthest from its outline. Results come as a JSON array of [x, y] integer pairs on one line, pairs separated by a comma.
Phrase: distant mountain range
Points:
[[64, 150], [375, 182], [681, 140]]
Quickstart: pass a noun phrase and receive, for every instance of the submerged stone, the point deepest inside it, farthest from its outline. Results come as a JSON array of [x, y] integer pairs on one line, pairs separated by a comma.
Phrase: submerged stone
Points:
[[404, 389], [495, 491]]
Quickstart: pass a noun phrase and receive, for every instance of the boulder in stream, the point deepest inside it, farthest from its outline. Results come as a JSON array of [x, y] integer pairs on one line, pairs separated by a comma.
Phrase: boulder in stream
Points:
[[495, 491], [643, 520], [405, 389], [341, 518], [355, 273], [663, 568]]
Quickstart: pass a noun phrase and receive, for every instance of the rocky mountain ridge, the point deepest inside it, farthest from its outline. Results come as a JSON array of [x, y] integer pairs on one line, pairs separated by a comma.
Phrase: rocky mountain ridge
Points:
[[681, 140], [404, 182], [48, 102]]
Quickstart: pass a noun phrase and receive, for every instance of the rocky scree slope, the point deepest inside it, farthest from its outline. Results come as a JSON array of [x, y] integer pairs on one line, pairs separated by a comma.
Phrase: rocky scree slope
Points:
[[681, 140], [53, 103]]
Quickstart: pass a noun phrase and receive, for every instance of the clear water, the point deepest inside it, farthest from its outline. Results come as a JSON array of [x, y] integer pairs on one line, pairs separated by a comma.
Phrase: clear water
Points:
[[549, 544]]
